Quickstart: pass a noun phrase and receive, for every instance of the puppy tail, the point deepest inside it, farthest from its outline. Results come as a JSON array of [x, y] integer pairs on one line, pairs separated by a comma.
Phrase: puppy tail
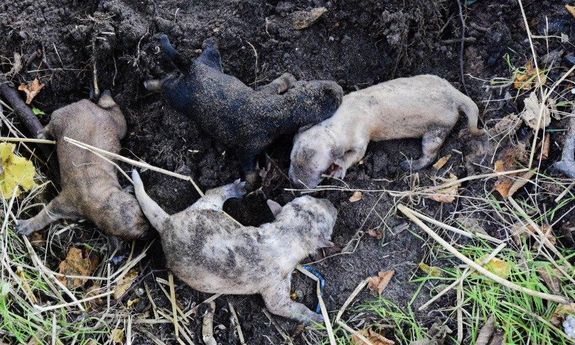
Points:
[[472, 112], [171, 53], [151, 209]]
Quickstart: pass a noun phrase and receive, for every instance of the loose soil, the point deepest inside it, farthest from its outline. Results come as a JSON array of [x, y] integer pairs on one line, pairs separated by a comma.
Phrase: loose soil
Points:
[[356, 43]]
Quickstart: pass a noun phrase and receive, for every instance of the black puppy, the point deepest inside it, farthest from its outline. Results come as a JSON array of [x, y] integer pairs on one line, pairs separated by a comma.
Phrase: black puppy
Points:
[[241, 118]]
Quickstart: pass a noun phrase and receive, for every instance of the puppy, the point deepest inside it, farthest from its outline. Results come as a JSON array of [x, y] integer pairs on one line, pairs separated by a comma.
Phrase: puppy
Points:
[[240, 118], [423, 106], [90, 187], [212, 253]]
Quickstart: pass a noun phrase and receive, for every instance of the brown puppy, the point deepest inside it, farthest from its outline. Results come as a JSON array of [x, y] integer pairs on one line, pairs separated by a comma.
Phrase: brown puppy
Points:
[[212, 253], [90, 187], [424, 106]]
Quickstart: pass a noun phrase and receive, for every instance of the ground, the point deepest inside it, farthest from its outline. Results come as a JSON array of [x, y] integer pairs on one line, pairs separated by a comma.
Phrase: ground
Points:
[[357, 44]]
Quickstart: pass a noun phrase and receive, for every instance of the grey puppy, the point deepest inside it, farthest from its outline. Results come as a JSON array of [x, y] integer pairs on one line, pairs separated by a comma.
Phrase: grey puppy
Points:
[[212, 253], [424, 106], [90, 186]]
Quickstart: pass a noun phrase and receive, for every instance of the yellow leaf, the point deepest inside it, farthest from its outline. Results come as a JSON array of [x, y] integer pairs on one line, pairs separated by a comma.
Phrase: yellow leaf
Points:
[[431, 270], [16, 173], [498, 267], [77, 264], [117, 336], [132, 302], [125, 284], [561, 312], [374, 338], [441, 162], [356, 196]]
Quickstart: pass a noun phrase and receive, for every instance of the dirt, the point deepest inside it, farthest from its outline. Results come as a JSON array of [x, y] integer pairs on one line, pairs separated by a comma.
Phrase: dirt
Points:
[[356, 43]]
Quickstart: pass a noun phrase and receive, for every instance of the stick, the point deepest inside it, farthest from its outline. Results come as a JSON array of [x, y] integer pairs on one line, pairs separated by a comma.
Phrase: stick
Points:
[[350, 299], [174, 306], [208, 326], [23, 111], [554, 298], [27, 140], [236, 321]]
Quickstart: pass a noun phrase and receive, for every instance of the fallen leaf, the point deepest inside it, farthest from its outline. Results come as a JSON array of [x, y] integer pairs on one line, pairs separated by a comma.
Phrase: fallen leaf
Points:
[[561, 312], [356, 196], [376, 233], [373, 337], [486, 331], [508, 124], [533, 109], [379, 283], [447, 195], [441, 162], [529, 77], [31, 89], [125, 284], [117, 336], [77, 263], [551, 279], [37, 239], [92, 291], [520, 182], [570, 9], [545, 146], [304, 19], [497, 266], [16, 173], [433, 271], [132, 302], [38, 112], [471, 224]]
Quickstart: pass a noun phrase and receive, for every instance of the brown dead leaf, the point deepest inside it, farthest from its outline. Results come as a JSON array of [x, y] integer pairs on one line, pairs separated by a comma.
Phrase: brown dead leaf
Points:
[[520, 182], [31, 89], [508, 124], [441, 162], [546, 146], [471, 224], [551, 279], [519, 230], [356, 196], [503, 183], [37, 239], [125, 283], [304, 19], [561, 312], [373, 337], [379, 283], [570, 9], [376, 233], [77, 263], [447, 195]]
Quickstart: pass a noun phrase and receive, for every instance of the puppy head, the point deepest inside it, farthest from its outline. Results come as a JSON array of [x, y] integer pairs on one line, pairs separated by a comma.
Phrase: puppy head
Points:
[[314, 153], [312, 218]]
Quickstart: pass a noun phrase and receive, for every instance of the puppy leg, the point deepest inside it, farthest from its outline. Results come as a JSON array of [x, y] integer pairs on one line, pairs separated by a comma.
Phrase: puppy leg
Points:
[[57, 209], [278, 85], [278, 301], [350, 157], [431, 143], [214, 198], [211, 55]]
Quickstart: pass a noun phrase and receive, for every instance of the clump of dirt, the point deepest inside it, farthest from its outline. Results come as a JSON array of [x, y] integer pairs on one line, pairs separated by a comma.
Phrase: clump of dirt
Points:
[[357, 44]]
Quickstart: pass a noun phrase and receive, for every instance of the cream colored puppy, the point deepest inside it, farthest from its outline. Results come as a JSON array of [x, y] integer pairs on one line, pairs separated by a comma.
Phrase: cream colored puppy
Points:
[[424, 106]]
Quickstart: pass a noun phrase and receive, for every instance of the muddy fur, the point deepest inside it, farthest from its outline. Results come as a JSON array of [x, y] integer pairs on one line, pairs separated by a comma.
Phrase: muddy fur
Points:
[[424, 106], [212, 253], [90, 187], [237, 116]]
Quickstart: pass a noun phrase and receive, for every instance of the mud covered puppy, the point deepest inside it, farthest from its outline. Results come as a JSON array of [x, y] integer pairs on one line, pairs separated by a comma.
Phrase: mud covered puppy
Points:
[[212, 253], [90, 187], [424, 106], [237, 116]]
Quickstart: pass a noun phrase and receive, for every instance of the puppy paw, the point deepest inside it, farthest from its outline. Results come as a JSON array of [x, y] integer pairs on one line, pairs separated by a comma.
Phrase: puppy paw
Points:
[[24, 227], [238, 189]]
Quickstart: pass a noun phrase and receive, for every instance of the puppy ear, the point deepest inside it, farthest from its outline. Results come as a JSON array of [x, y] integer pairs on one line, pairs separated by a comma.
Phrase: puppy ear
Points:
[[274, 207]]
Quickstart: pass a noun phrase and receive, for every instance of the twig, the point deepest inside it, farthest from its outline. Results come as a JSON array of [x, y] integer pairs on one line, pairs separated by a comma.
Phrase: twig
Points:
[[174, 306], [208, 300], [462, 47], [27, 140], [409, 214], [208, 326], [350, 299], [236, 323], [23, 111]]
